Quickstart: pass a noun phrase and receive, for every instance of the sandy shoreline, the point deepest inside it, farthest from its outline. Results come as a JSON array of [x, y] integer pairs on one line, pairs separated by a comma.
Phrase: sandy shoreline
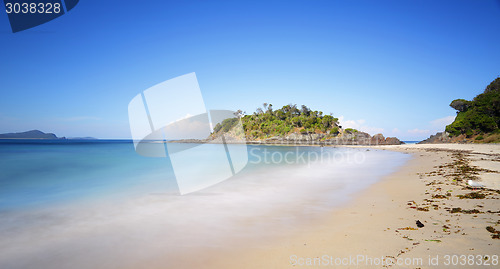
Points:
[[380, 223], [341, 214]]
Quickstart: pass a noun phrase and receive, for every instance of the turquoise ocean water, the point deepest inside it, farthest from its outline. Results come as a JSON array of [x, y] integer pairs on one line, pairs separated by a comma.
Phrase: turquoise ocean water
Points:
[[43, 173]]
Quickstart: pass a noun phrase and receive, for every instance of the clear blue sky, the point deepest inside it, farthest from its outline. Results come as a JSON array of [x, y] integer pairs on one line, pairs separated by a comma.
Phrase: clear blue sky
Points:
[[389, 66]]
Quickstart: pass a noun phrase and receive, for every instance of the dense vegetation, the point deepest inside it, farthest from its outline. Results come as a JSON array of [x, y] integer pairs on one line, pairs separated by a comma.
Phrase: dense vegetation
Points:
[[266, 122], [479, 117]]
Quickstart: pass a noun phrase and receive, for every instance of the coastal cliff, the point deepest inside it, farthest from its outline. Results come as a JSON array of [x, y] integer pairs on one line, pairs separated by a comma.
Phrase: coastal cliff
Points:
[[477, 121], [438, 138]]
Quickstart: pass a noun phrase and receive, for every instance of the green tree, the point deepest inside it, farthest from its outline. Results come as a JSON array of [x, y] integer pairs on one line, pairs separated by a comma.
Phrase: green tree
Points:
[[481, 115], [269, 122]]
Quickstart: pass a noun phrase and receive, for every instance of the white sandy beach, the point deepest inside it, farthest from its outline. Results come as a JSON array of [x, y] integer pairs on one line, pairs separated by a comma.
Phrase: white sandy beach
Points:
[[380, 224]]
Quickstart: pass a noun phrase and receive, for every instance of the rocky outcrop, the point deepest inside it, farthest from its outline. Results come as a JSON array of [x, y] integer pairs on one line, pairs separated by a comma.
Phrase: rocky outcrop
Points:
[[379, 139], [444, 137], [438, 138], [346, 138], [355, 138], [393, 141]]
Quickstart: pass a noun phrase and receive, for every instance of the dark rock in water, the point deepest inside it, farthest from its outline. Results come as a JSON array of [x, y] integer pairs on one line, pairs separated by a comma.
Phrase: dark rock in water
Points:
[[420, 224], [438, 138]]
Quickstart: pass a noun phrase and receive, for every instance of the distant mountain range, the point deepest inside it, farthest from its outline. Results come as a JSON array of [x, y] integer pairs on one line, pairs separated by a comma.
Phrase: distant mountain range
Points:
[[33, 134], [37, 134]]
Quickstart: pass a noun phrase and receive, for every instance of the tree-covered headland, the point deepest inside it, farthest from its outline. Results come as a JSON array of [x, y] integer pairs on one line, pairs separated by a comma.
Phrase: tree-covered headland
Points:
[[478, 119], [267, 122]]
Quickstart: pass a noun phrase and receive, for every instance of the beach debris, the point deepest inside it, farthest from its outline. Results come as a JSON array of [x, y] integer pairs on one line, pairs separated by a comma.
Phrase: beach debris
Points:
[[494, 212], [444, 186], [408, 238], [474, 184], [456, 210], [472, 211], [472, 195], [439, 196], [407, 228], [460, 170], [495, 234]]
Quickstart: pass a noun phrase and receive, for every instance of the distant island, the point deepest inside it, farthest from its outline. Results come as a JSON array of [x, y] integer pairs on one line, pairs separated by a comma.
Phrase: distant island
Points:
[[477, 121], [33, 134], [37, 134], [293, 125]]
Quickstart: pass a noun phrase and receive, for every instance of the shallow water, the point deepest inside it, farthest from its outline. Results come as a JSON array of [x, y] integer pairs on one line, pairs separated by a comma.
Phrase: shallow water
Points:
[[100, 205]]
